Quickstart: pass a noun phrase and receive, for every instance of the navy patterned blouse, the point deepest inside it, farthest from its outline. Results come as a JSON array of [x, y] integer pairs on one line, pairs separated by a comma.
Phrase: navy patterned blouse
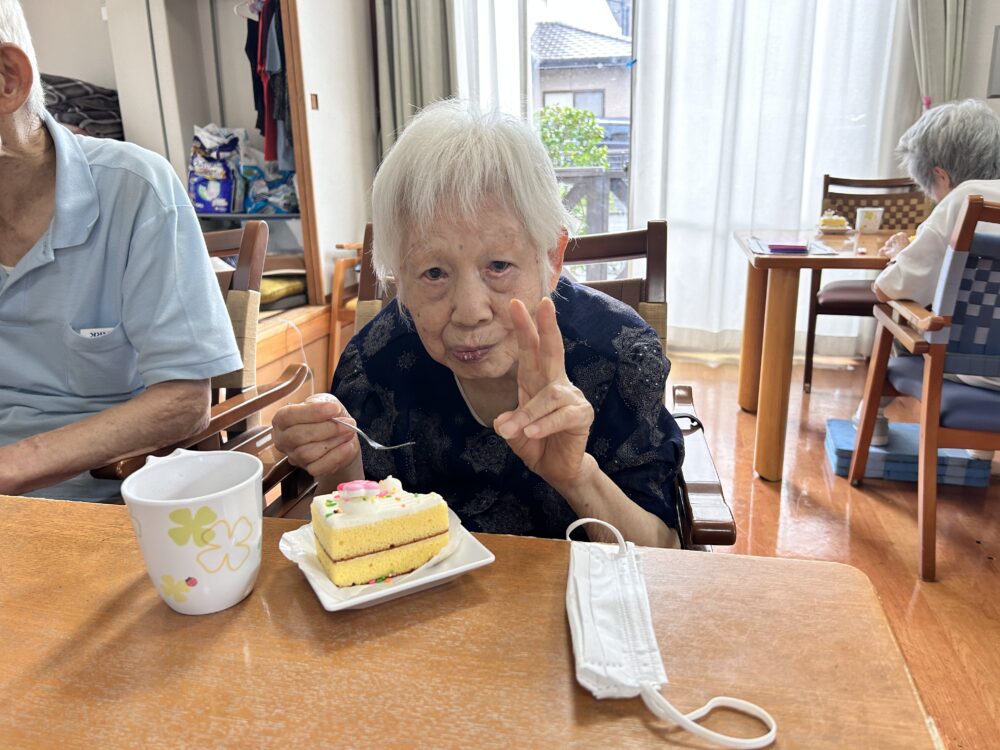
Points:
[[397, 393]]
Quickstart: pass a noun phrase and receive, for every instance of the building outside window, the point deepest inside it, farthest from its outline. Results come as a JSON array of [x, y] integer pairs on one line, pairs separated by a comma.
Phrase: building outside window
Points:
[[592, 101], [582, 65]]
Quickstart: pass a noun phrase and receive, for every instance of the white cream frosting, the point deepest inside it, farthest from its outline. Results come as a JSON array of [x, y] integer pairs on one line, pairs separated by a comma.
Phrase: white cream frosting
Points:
[[344, 509]]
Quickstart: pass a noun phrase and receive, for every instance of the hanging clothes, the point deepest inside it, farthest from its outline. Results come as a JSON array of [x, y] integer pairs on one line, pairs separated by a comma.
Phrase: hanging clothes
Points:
[[280, 101], [270, 124], [250, 48]]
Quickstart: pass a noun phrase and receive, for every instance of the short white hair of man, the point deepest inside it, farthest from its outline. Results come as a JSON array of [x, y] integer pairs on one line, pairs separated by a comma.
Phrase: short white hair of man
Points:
[[963, 138], [14, 30], [453, 156]]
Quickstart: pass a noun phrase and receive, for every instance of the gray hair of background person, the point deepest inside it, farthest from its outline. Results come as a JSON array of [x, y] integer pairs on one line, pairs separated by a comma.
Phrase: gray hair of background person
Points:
[[14, 30], [963, 138], [452, 156]]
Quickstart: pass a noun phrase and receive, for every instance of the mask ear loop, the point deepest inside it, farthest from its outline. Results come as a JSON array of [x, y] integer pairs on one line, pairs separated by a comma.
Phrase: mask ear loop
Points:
[[663, 709], [666, 711], [622, 545]]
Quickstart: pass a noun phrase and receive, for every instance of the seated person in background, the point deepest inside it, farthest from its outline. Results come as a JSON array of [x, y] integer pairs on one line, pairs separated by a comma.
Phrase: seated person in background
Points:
[[533, 400], [111, 320], [952, 152]]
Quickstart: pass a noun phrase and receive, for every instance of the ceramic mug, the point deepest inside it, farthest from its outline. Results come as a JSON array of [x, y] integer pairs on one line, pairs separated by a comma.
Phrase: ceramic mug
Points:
[[198, 518], [868, 219]]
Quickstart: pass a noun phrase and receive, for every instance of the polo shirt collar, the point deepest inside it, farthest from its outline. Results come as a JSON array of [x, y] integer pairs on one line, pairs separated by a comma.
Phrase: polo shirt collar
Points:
[[77, 203]]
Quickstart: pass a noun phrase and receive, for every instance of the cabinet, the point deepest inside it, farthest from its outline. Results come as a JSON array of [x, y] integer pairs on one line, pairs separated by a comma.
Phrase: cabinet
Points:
[[178, 64]]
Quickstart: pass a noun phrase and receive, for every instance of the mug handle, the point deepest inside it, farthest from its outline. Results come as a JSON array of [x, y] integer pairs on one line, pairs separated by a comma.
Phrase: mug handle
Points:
[[175, 454]]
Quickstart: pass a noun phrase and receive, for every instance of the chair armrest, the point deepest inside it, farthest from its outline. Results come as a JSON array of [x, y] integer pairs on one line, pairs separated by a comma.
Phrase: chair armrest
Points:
[[911, 339], [223, 416], [297, 485], [709, 519], [919, 317]]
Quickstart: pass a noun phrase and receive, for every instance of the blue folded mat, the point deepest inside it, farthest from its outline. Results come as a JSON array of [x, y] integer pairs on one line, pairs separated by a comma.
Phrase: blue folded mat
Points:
[[898, 459]]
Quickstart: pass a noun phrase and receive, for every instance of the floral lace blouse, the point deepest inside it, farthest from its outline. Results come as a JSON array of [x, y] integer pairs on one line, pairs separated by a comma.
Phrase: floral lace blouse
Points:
[[397, 393]]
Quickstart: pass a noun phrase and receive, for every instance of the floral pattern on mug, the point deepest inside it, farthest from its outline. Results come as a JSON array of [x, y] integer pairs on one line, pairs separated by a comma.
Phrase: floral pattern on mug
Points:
[[231, 550], [192, 528], [174, 589]]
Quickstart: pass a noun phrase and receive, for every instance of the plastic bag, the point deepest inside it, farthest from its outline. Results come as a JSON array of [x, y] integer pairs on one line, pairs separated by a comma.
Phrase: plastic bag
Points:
[[215, 182]]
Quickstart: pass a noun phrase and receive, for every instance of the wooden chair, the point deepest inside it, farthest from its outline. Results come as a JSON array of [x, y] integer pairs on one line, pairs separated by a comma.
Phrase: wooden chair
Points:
[[704, 515], [957, 336], [343, 302], [236, 399], [905, 207]]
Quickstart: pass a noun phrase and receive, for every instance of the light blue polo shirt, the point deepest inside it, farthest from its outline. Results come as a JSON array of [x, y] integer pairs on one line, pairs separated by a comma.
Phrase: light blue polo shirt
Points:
[[116, 296]]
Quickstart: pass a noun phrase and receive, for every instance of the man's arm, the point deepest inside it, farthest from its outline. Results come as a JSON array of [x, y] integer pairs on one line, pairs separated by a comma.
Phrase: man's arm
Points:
[[164, 413]]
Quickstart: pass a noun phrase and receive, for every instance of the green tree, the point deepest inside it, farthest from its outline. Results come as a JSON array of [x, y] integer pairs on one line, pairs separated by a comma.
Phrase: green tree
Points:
[[572, 137]]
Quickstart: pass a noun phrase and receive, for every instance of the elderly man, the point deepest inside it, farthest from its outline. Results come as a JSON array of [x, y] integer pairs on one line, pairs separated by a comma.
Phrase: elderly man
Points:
[[111, 321]]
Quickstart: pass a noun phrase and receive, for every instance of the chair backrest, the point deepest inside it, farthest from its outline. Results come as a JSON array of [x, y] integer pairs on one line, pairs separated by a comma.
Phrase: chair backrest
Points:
[[646, 295], [241, 290], [905, 204], [969, 293]]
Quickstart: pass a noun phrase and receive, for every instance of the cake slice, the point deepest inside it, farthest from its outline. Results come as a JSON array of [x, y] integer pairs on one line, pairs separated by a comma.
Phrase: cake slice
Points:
[[369, 531], [831, 221]]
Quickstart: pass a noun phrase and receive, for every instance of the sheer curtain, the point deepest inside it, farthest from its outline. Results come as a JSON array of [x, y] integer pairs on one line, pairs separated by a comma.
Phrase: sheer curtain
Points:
[[739, 108], [491, 53]]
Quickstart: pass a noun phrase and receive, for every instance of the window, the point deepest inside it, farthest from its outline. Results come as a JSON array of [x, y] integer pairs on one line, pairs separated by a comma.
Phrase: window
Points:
[[582, 62], [558, 99], [592, 100]]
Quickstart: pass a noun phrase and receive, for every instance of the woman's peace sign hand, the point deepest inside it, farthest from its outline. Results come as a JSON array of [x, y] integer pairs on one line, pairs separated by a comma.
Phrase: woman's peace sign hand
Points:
[[549, 428]]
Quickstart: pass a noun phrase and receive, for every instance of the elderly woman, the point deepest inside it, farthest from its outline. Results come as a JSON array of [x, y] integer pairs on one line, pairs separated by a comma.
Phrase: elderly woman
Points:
[[532, 400], [952, 152]]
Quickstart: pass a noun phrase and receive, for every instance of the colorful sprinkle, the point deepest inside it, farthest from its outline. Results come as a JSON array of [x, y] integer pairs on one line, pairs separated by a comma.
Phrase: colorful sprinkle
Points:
[[328, 514], [191, 581]]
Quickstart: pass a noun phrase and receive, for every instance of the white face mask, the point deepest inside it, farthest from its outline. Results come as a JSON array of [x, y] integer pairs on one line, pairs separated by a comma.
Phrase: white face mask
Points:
[[613, 640]]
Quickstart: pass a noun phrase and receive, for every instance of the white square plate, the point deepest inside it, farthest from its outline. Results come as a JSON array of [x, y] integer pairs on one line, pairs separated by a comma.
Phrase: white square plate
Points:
[[462, 553]]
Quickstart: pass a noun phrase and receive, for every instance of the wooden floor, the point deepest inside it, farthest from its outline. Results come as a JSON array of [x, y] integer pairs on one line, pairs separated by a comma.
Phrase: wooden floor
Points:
[[949, 631]]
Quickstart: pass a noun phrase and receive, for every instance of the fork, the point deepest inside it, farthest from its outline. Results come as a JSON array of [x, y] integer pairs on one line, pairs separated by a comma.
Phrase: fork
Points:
[[373, 443]]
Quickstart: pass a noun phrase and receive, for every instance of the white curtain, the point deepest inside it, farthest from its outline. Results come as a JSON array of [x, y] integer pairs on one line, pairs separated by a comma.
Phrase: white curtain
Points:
[[938, 29], [491, 53], [739, 108], [416, 60]]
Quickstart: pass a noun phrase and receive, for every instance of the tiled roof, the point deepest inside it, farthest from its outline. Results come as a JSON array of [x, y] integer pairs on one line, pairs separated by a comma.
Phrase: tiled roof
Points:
[[559, 42]]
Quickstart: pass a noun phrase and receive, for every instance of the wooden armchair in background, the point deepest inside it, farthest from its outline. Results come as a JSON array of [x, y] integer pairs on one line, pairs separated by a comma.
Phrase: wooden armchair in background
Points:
[[905, 207], [343, 303], [704, 515], [236, 398], [959, 335]]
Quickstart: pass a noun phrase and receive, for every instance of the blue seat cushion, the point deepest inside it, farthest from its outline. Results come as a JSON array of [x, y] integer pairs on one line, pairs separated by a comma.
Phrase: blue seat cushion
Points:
[[963, 407]]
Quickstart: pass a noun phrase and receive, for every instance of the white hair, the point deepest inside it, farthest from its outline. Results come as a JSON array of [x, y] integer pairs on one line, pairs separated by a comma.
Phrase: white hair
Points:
[[963, 138], [14, 30], [452, 156]]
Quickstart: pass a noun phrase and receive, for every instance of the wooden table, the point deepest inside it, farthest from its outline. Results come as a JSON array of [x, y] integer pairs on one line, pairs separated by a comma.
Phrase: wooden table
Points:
[[769, 328], [92, 658]]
